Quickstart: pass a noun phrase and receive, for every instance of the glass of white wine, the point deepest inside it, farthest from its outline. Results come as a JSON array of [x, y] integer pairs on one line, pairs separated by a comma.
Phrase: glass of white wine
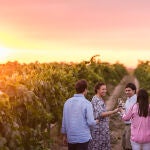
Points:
[[120, 102]]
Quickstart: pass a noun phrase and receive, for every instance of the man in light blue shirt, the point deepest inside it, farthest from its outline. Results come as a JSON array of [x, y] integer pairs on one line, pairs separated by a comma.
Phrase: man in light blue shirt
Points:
[[77, 118]]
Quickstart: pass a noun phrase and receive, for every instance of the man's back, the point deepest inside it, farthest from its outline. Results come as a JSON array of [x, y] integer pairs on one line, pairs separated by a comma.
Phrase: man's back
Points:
[[77, 117]]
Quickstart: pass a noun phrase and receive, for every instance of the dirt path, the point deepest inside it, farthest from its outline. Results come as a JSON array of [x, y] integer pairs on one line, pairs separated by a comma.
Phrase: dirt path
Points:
[[117, 92]]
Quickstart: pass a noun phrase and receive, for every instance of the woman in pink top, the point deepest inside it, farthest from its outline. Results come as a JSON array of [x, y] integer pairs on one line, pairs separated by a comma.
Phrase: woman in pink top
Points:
[[140, 122]]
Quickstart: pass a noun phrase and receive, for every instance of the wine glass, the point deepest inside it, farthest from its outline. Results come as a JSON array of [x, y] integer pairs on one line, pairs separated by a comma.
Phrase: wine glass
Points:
[[120, 102]]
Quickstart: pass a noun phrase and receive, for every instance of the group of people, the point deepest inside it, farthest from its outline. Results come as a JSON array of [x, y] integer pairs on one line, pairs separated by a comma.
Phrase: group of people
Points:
[[85, 124]]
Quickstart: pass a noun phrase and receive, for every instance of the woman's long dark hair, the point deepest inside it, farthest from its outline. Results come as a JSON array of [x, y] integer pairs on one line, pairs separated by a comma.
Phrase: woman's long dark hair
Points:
[[142, 99]]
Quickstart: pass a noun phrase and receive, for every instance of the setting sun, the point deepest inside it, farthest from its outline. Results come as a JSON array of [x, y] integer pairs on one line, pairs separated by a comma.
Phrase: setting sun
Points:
[[4, 53]]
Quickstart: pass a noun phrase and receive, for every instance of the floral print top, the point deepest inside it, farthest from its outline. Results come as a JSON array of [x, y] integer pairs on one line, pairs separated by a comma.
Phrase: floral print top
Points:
[[100, 132]]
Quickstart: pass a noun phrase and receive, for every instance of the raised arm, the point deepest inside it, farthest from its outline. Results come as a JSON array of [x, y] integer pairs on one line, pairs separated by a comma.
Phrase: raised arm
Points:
[[99, 109], [109, 113], [127, 115]]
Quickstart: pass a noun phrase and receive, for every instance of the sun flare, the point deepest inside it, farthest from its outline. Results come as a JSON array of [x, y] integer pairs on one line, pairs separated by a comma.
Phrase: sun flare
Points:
[[4, 53]]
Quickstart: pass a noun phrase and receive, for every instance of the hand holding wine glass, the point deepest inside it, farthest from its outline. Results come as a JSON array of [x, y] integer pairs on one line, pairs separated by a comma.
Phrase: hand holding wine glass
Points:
[[120, 102]]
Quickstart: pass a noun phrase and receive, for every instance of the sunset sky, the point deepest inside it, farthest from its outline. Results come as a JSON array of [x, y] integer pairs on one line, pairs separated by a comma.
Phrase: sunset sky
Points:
[[75, 30]]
